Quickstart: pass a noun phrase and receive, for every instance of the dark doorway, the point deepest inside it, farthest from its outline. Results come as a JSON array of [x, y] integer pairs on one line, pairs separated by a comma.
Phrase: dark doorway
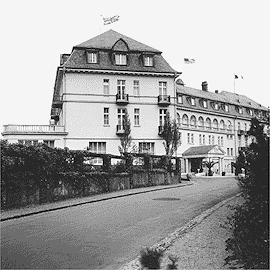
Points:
[[196, 164]]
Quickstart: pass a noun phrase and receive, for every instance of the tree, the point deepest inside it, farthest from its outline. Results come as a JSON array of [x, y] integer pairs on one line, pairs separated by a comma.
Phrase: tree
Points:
[[209, 164], [172, 139], [171, 135], [249, 244], [125, 139]]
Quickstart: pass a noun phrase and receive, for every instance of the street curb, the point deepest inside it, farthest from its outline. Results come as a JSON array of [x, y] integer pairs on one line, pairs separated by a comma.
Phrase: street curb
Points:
[[93, 201], [178, 233]]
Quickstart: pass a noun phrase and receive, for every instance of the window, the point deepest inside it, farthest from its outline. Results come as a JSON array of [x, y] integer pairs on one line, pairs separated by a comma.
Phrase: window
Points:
[[185, 120], [221, 141], [209, 139], [208, 123], [239, 109], [203, 139], [215, 124], [120, 115], [121, 87], [192, 101], [178, 119], [136, 117], [228, 151], [231, 151], [193, 121], [222, 125], [106, 87], [106, 116], [162, 88], [246, 141], [200, 138], [120, 59], [213, 139], [99, 148], [192, 138], [216, 106], [245, 126], [180, 99], [200, 122], [188, 138], [92, 57], [239, 125], [250, 111], [148, 61], [204, 103], [49, 143], [229, 125], [136, 88], [226, 108], [218, 138], [147, 147], [162, 116]]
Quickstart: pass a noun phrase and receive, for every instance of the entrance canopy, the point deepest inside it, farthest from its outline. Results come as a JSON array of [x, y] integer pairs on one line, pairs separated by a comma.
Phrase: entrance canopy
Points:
[[204, 151]]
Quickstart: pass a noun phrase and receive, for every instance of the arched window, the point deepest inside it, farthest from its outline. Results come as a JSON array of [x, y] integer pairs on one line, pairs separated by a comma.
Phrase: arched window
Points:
[[201, 122], [229, 125], [215, 124], [185, 120], [208, 123], [222, 125], [178, 119], [193, 121]]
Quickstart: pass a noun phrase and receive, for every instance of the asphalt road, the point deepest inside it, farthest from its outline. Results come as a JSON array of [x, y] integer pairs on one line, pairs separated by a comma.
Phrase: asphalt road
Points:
[[106, 234]]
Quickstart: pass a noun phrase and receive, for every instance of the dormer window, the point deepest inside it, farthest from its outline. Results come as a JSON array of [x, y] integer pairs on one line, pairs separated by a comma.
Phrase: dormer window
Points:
[[148, 60], [250, 112], [179, 99], [191, 101], [204, 103], [226, 108], [92, 57], [239, 109], [120, 59], [215, 105]]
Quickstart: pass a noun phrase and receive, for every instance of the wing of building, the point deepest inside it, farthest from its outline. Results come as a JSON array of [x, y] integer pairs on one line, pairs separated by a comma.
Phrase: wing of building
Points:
[[111, 74]]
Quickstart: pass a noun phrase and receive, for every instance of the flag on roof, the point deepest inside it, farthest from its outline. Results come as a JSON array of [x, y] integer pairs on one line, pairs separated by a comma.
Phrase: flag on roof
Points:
[[110, 19], [189, 61], [237, 77]]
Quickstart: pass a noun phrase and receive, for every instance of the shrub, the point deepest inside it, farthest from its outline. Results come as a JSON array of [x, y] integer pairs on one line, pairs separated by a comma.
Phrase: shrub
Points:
[[151, 258]]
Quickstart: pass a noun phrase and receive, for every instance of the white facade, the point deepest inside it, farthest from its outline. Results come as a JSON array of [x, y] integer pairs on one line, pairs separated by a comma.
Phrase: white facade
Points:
[[90, 98]]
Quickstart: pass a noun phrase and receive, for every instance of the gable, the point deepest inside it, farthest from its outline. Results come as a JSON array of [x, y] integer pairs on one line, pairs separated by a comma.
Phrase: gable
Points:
[[120, 45]]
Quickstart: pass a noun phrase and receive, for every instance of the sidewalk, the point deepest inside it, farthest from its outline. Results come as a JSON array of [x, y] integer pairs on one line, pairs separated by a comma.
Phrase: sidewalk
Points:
[[31, 210], [200, 244]]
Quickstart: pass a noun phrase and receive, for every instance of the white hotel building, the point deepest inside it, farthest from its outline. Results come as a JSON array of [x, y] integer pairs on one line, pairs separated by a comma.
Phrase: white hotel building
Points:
[[111, 73]]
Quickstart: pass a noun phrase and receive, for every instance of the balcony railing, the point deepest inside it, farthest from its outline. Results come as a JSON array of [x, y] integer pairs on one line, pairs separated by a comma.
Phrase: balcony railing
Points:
[[164, 100], [26, 129], [122, 99]]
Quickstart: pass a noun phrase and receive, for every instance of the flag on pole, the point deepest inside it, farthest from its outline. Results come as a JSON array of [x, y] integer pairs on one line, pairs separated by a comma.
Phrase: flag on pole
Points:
[[237, 77], [110, 20], [189, 61]]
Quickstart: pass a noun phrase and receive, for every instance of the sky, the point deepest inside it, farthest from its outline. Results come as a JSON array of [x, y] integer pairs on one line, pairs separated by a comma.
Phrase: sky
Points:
[[224, 37]]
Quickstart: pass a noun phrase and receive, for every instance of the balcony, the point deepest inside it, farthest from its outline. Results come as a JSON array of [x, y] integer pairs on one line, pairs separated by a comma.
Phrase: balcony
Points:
[[160, 130], [57, 102], [33, 129], [122, 99], [120, 130], [164, 100]]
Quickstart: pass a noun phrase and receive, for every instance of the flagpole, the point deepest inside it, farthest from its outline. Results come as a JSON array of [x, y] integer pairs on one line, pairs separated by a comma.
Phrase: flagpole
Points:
[[234, 83]]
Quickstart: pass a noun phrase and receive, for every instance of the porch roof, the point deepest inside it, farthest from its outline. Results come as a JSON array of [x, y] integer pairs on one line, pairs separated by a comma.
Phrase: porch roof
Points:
[[204, 151]]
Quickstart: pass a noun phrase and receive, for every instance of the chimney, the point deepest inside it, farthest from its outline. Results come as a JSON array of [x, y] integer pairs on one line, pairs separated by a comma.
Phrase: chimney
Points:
[[63, 58], [205, 86], [216, 91]]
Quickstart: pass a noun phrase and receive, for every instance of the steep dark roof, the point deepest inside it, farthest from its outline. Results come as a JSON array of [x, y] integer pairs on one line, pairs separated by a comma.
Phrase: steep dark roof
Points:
[[107, 39], [104, 44], [223, 97]]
